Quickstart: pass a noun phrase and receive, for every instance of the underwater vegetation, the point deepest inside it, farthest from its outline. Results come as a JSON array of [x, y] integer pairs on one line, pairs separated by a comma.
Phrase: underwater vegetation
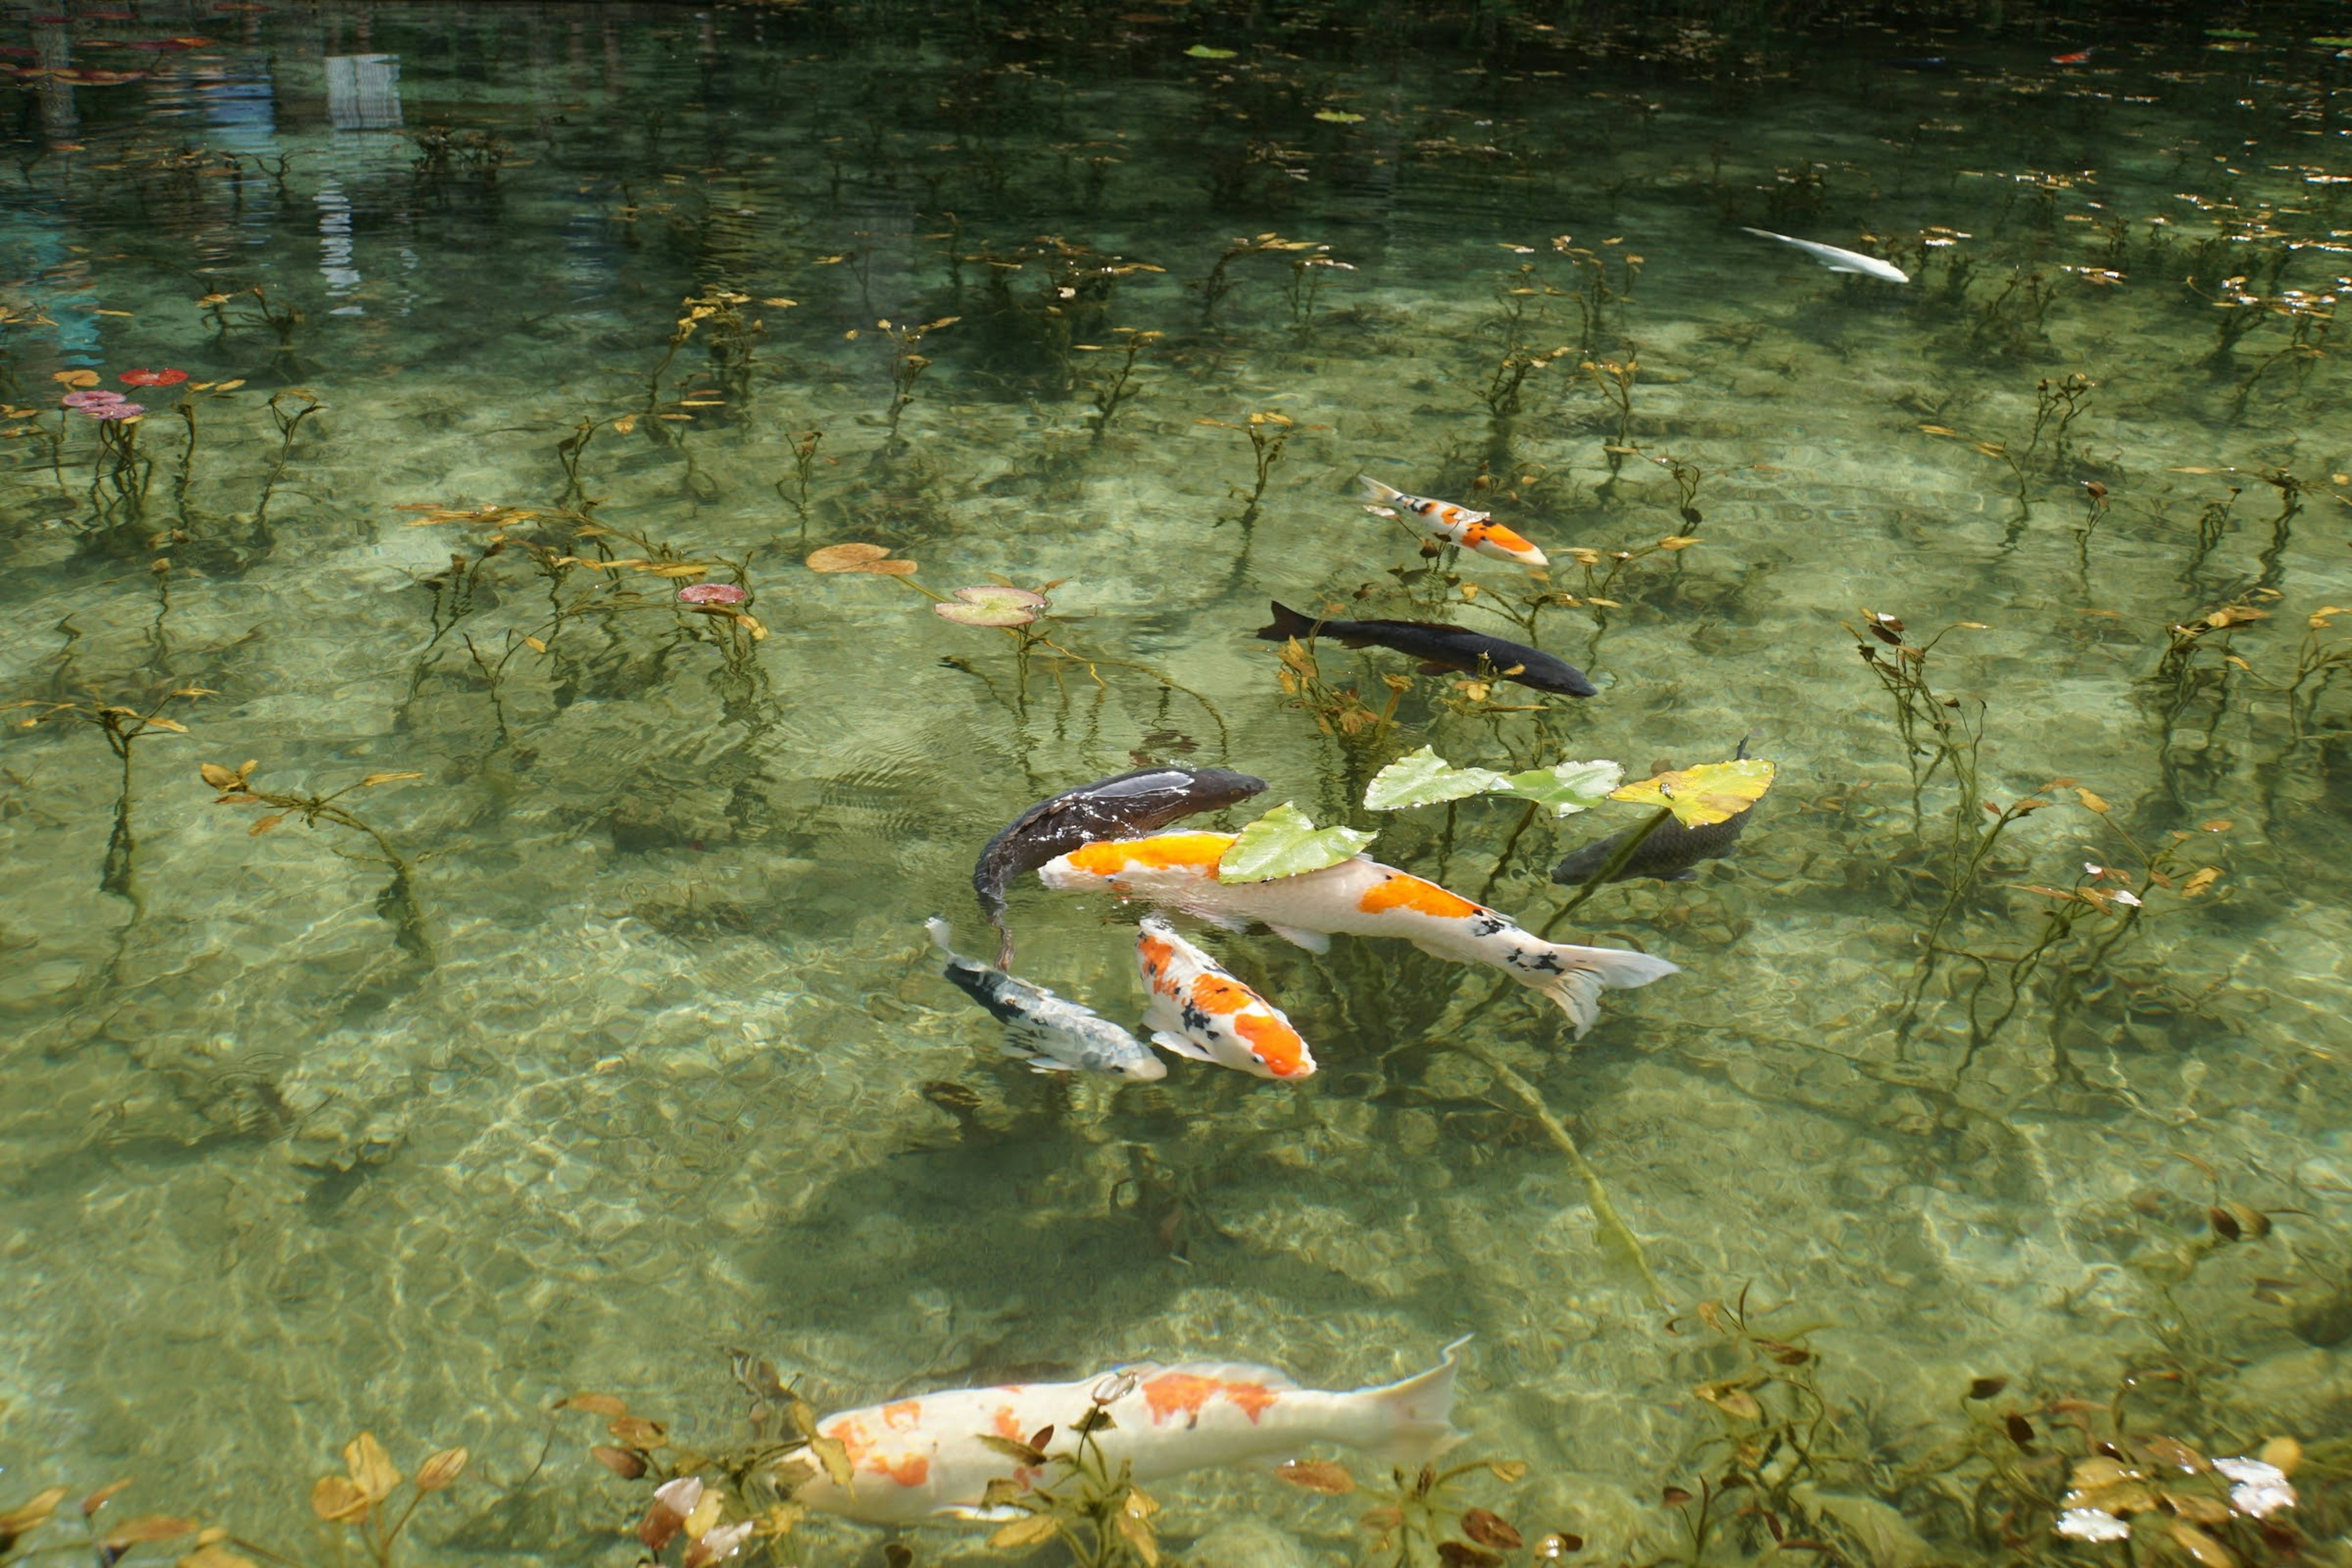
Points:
[[1777, 859]]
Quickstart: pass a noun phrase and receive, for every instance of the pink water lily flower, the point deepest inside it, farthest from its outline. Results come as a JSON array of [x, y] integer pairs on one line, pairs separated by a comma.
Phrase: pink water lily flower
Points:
[[153, 377], [107, 413], [96, 397], [713, 594]]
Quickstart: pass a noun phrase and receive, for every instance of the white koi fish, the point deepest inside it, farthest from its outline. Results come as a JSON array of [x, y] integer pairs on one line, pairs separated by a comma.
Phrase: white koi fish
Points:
[[1473, 530], [1837, 260], [923, 1459], [1359, 897], [1042, 1029], [1199, 1010]]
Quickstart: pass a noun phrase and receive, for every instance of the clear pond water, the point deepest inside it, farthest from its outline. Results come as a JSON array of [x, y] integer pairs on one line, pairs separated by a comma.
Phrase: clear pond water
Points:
[[640, 1054]]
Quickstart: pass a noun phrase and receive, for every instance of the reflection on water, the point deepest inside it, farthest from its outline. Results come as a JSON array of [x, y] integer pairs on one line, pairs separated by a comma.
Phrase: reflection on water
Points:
[[599, 1034]]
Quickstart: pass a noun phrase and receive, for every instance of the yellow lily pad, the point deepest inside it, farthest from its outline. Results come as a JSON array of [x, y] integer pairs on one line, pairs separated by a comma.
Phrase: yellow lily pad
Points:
[[1712, 791]]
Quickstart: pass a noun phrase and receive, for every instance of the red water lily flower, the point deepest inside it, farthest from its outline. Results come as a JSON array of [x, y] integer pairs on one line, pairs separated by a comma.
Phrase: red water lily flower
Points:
[[713, 594], [153, 377]]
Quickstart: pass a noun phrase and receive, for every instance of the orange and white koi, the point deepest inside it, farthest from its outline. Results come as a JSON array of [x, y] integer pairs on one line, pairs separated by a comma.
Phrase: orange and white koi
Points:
[[927, 1458], [1473, 530], [1359, 897], [1198, 1010]]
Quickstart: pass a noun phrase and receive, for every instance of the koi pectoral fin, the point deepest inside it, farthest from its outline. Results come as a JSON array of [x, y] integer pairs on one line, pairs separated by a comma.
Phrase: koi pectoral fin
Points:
[[1178, 1045], [1312, 941]]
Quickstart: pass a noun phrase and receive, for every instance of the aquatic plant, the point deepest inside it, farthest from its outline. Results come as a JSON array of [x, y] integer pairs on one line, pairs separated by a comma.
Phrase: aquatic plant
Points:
[[1269, 433], [1221, 279], [397, 901], [1093, 1507], [288, 410], [1419, 1519], [1116, 388], [907, 368], [364, 1506], [795, 488], [1615, 380], [257, 311], [714, 1503], [123, 727]]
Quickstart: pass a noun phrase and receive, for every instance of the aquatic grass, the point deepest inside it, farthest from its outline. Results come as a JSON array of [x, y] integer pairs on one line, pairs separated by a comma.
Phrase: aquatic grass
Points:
[[123, 726], [1117, 387], [397, 901]]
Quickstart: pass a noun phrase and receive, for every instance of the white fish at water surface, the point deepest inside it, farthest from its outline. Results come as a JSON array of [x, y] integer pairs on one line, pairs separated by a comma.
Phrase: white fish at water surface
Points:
[[1041, 1028], [1837, 260], [927, 1457]]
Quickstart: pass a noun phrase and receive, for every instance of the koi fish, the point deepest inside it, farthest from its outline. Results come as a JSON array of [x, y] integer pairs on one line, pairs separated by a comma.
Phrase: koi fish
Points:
[[1837, 260], [1042, 1030], [1667, 855], [1144, 801], [1473, 530], [1359, 896], [918, 1459], [1441, 647], [1199, 1010]]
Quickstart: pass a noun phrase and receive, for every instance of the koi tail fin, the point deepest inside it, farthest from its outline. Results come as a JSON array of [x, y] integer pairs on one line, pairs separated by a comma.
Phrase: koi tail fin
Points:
[[1586, 972], [1371, 489], [939, 932], [1412, 1421], [1287, 624]]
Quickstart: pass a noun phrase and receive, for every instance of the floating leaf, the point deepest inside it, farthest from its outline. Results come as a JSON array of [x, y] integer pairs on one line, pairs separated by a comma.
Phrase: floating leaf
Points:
[[624, 423], [98, 1498], [1284, 843], [220, 777], [2092, 803], [263, 825], [1425, 778], [212, 1554], [1461, 1555], [1710, 793], [1026, 1531], [2207, 1550], [637, 1432], [138, 1531], [992, 605], [75, 377], [2199, 880], [625, 1463], [374, 779], [1731, 1399], [35, 1511], [1338, 117], [339, 1499], [1986, 1387], [847, 557], [594, 1404], [1567, 788], [1318, 1476], [1489, 1529], [372, 1468], [1508, 1471], [1202, 52]]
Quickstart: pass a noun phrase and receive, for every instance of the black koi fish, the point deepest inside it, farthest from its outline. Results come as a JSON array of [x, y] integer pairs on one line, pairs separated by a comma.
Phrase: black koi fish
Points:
[[1668, 855], [1127, 805], [1441, 647]]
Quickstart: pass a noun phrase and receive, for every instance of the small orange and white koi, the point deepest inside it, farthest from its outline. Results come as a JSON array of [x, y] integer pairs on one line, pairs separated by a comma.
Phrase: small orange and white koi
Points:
[[1201, 1011], [1473, 530], [926, 1458], [1359, 896]]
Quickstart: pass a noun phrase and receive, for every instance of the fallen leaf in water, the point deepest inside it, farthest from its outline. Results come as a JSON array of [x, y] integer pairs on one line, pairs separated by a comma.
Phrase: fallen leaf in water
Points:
[[1318, 1476]]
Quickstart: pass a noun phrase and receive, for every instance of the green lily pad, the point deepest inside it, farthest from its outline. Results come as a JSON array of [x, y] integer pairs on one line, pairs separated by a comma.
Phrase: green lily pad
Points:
[[1425, 778], [1338, 117], [1284, 843], [1202, 52], [1713, 791], [2334, 41], [1567, 788], [992, 605], [2229, 33]]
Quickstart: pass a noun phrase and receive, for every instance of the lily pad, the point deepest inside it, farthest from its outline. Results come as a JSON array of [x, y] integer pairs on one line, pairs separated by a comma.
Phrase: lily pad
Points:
[[856, 558], [992, 605], [1425, 778], [1338, 117], [1567, 788], [1202, 52], [1284, 843], [1712, 791]]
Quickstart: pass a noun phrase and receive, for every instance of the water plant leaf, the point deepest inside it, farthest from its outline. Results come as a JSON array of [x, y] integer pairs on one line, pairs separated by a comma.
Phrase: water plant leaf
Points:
[[1461, 1555], [33, 1511], [1731, 1399], [374, 779], [847, 557], [1425, 778], [1318, 1476], [1567, 787], [1284, 843], [1203, 52], [98, 1498], [1986, 1387], [625, 1463], [1508, 1471], [1558, 1544], [338, 1498], [2208, 1552], [1027, 1531], [637, 1432], [1338, 117], [834, 1458], [992, 605], [594, 1404], [153, 1527], [1138, 1533], [372, 1468], [1013, 1448], [220, 777], [2198, 880], [1710, 793], [1488, 1529], [75, 377], [212, 1554], [264, 823]]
